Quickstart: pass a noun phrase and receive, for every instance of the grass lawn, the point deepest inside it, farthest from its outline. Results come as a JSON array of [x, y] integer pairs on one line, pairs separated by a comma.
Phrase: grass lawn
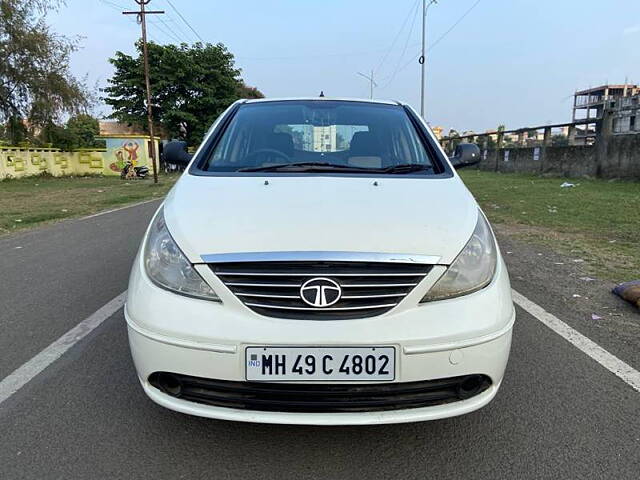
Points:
[[597, 220], [30, 201]]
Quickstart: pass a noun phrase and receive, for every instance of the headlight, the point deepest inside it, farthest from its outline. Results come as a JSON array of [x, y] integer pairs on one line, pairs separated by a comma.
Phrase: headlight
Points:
[[167, 266], [472, 270]]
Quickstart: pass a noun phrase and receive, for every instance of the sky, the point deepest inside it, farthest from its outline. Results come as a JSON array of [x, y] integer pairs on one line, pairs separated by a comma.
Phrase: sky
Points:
[[491, 62]]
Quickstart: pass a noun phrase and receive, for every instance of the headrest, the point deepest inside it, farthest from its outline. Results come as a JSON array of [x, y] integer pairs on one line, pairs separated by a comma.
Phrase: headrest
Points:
[[365, 144], [281, 141]]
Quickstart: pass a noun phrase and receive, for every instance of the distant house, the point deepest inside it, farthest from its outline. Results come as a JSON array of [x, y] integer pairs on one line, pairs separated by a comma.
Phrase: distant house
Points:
[[437, 131]]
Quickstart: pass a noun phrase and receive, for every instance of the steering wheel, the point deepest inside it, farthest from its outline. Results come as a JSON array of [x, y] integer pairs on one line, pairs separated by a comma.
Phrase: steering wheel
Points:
[[260, 151]]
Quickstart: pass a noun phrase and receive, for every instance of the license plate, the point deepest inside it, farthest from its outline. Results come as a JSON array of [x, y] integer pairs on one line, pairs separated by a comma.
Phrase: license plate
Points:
[[320, 363]]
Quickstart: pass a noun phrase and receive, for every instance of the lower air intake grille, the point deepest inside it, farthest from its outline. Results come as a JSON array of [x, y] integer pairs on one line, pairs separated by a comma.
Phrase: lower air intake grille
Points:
[[319, 398], [366, 289]]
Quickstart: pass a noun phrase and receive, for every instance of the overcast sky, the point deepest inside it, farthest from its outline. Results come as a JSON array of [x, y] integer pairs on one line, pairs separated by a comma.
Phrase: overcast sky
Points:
[[515, 62]]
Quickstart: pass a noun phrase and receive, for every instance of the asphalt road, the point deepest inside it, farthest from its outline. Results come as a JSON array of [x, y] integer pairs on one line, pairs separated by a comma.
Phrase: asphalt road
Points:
[[559, 414]]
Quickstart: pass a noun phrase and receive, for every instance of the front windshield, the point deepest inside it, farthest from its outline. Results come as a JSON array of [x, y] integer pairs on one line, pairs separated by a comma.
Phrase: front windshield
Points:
[[356, 136]]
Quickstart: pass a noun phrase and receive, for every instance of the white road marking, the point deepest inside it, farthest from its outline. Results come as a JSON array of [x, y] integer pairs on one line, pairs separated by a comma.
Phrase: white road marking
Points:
[[609, 361], [118, 209], [25, 373]]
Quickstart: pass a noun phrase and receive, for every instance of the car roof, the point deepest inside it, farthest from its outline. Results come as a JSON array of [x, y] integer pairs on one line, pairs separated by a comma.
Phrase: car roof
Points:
[[324, 99]]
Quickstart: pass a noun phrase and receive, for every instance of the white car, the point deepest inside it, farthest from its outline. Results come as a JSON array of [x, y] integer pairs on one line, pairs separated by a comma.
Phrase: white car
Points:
[[320, 262]]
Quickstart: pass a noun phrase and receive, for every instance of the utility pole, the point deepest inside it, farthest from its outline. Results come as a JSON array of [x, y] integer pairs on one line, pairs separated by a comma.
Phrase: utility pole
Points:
[[422, 60], [142, 14], [372, 83]]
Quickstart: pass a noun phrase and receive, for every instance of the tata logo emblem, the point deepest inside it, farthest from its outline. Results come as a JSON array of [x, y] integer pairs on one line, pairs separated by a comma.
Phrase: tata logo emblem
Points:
[[320, 292]]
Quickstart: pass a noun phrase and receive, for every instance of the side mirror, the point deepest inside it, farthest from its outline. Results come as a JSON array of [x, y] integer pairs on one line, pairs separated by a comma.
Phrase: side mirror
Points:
[[465, 155], [176, 152]]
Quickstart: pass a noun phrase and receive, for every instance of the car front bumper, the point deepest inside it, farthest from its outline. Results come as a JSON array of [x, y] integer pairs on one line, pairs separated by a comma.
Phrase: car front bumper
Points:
[[464, 336]]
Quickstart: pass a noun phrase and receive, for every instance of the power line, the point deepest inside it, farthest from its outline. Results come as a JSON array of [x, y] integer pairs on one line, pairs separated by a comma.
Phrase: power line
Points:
[[434, 43], [113, 4], [169, 31], [119, 8], [178, 27], [185, 20], [439, 39], [397, 36], [406, 44], [172, 37]]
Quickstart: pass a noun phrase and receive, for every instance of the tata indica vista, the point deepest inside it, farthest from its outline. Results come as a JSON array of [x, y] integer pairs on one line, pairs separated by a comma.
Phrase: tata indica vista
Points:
[[320, 262]]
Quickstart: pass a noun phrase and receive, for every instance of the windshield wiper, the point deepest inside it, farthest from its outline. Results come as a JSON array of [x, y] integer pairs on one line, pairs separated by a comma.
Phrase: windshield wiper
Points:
[[405, 168], [300, 167], [333, 167]]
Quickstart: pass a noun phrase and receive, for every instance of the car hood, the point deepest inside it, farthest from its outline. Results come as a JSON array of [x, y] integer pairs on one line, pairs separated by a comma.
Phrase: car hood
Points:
[[209, 215]]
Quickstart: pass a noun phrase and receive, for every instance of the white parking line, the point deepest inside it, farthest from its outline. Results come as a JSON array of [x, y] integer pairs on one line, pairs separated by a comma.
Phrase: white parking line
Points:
[[609, 361], [25, 373]]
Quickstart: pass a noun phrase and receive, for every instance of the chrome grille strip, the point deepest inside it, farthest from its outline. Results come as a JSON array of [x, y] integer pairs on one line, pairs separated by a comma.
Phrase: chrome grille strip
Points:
[[384, 295], [321, 256], [262, 295], [273, 288], [298, 285], [315, 274], [266, 285], [326, 309], [376, 285]]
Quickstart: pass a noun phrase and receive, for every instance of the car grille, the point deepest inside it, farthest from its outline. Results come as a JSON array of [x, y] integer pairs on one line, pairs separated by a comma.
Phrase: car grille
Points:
[[319, 398], [273, 288]]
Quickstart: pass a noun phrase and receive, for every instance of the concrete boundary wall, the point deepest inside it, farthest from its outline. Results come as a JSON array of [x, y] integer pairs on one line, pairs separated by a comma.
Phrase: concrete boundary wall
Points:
[[617, 156], [21, 162], [600, 153], [574, 161]]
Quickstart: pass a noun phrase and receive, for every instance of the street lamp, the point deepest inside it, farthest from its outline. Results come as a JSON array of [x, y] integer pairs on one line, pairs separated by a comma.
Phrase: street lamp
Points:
[[371, 82]]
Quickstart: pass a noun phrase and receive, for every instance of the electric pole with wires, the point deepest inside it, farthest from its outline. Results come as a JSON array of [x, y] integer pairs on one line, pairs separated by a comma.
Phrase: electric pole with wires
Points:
[[422, 60], [141, 15], [372, 83]]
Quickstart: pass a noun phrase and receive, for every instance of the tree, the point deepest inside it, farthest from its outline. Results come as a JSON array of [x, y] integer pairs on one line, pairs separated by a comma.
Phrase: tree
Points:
[[191, 84], [454, 139], [559, 140], [79, 132], [245, 91], [36, 86], [83, 130]]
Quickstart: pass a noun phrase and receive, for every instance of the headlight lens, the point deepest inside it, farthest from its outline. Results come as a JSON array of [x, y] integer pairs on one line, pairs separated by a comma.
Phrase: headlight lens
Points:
[[167, 266], [472, 270]]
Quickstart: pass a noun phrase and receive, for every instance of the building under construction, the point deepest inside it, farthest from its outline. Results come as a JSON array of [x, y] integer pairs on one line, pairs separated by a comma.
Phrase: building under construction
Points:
[[591, 103]]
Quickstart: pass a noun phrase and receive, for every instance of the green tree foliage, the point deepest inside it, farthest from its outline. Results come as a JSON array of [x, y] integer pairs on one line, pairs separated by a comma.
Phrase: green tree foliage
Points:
[[79, 132], [559, 140], [83, 130], [189, 83], [36, 86]]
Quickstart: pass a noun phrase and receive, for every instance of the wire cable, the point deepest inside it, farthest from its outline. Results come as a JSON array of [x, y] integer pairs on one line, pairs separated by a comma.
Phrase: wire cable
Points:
[[185, 20], [404, 50], [119, 8], [384, 59], [435, 42], [171, 32], [178, 27], [441, 37]]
